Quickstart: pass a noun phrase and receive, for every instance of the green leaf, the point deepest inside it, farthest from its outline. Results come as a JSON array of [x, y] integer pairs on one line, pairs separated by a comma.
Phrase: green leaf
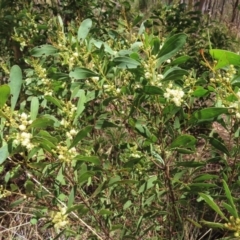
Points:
[[54, 100], [213, 224], [126, 62], [3, 153], [80, 104], [71, 197], [82, 73], [99, 44], [143, 130], [60, 20], [213, 205], [180, 60], [60, 178], [81, 134], [29, 186], [191, 164], [43, 51], [48, 136], [4, 94], [200, 92], [149, 200], [218, 145], [230, 199], [59, 76], [80, 208], [17, 202], [184, 141], [194, 223], [89, 159], [33, 221], [127, 204], [201, 185], [155, 45], [136, 46], [171, 47], [183, 150], [139, 223], [152, 90], [84, 177], [142, 187], [137, 19], [229, 209], [91, 95], [130, 163], [99, 189], [174, 73], [151, 182], [45, 143], [34, 108], [141, 29], [129, 182], [101, 124], [205, 177], [236, 81], [157, 157], [42, 122], [84, 29], [15, 84], [114, 180], [105, 212], [224, 58], [209, 113]]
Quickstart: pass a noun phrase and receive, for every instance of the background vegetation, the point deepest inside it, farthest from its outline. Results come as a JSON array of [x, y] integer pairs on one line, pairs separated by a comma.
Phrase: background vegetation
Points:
[[119, 120]]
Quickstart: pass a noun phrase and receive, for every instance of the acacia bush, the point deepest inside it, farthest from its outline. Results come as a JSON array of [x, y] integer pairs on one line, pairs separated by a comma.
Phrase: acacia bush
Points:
[[103, 137]]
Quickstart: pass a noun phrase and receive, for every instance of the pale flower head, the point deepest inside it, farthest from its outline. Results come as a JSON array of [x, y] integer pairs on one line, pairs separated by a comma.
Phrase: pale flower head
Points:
[[166, 95], [118, 90], [95, 78], [22, 127], [73, 132], [238, 115], [75, 54], [24, 116]]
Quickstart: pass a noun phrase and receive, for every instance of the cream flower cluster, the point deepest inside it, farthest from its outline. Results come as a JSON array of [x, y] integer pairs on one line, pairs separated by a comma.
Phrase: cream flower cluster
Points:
[[235, 107], [234, 225], [111, 88], [70, 134], [154, 79], [65, 154], [59, 219], [151, 74], [226, 77], [134, 152], [24, 121], [23, 137], [69, 109], [3, 192], [174, 95]]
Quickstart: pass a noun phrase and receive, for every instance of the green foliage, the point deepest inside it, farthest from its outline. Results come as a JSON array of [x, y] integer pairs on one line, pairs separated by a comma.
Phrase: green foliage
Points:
[[203, 33], [233, 222], [224, 58], [101, 132]]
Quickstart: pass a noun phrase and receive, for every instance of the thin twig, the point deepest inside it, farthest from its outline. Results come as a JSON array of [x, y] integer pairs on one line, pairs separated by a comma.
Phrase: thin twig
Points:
[[10, 212], [9, 229], [205, 234], [64, 205]]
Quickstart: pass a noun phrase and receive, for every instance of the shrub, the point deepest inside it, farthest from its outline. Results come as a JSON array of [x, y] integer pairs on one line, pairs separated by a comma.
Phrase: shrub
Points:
[[101, 136]]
